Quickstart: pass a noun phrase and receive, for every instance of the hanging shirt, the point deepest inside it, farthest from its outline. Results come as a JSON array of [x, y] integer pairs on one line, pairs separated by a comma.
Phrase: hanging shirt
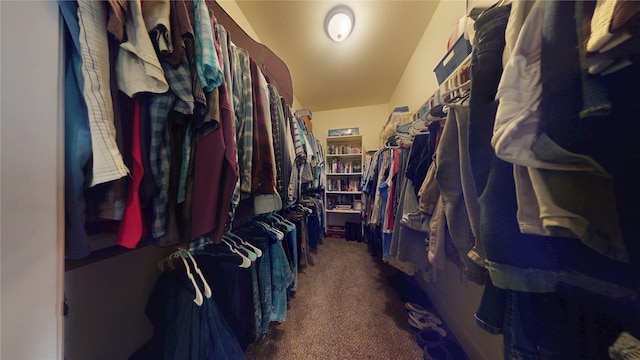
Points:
[[132, 227], [94, 51], [263, 175], [214, 176], [77, 138], [180, 26], [383, 172], [265, 199], [243, 107], [297, 139], [139, 69], [289, 152], [179, 98], [307, 140], [190, 50], [389, 214], [222, 36], [275, 109], [215, 171], [208, 66], [157, 21]]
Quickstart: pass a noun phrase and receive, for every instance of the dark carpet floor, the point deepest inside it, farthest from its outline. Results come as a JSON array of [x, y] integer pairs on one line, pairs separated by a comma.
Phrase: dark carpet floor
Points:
[[349, 305]]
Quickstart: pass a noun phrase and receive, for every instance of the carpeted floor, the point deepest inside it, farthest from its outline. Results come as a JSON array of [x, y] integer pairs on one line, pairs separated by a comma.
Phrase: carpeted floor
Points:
[[349, 305]]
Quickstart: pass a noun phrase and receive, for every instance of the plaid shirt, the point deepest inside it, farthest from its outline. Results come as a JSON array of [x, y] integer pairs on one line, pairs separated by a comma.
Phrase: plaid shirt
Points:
[[263, 163], [297, 139], [190, 51], [276, 115], [288, 154], [208, 66], [243, 107], [179, 98]]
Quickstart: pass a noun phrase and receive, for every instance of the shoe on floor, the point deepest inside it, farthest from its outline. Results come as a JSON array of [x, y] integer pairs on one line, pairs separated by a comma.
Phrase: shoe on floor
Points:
[[411, 306], [417, 309], [428, 336], [436, 352], [421, 323]]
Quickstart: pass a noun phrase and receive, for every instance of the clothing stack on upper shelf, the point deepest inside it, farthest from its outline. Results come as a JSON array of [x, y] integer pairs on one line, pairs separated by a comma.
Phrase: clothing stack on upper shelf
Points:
[[529, 186]]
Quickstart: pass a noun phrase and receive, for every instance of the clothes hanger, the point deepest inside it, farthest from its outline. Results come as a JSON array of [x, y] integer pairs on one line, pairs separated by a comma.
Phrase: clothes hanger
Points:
[[246, 251], [198, 299], [246, 262], [273, 216], [389, 146], [166, 260], [266, 227], [207, 289], [280, 222], [457, 91], [284, 219], [271, 230], [220, 252], [255, 250]]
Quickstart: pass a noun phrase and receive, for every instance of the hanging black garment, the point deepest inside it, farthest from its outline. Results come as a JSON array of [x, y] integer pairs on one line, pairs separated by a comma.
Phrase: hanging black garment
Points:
[[182, 329]]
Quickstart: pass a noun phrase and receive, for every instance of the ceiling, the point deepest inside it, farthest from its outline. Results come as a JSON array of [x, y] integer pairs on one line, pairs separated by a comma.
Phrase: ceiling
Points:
[[362, 70]]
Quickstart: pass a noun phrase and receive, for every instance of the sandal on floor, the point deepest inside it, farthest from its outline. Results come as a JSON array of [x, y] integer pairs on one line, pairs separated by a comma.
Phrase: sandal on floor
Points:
[[420, 312], [420, 323], [411, 306]]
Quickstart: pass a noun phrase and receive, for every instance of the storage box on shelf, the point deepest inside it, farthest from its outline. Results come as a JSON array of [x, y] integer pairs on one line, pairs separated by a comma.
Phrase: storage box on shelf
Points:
[[343, 159], [459, 53]]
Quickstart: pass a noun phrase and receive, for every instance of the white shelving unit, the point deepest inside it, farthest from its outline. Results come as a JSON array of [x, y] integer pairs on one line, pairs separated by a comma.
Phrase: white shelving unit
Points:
[[342, 195]]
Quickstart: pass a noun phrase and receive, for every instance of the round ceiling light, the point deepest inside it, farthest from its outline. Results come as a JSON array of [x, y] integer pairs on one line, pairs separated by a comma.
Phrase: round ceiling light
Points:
[[339, 22]]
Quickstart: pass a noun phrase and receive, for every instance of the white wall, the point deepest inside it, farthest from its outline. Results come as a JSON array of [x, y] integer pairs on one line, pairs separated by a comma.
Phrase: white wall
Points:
[[455, 299], [418, 82], [233, 10], [370, 120], [31, 228]]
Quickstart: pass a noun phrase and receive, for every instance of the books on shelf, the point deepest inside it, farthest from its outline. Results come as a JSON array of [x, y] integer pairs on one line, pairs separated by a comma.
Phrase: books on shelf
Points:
[[345, 167], [343, 185], [343, 150], [341, 202]]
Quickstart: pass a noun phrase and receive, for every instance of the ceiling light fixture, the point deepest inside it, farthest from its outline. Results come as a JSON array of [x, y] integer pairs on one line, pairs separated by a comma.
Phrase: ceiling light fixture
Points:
[[339, 22]]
